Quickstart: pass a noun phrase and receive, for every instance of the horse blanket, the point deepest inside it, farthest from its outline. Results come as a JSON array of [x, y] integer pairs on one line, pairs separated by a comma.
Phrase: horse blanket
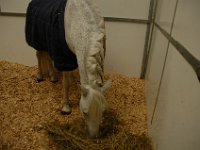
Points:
[[45, 32]]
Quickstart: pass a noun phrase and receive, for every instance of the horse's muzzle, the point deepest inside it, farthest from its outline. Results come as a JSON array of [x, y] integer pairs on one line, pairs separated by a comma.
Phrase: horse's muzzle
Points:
[[94, 136], [91, 133]]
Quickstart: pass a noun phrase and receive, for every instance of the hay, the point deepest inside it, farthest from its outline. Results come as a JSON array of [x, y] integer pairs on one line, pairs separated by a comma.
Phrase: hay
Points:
[[28, 108], [72, 137]]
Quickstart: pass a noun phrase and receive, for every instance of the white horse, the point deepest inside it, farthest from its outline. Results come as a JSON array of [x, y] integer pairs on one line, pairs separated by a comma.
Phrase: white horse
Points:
[[85, 36]]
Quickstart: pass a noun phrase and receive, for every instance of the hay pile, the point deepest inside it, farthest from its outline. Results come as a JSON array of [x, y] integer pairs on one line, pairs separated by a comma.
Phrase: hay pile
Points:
[[30, 115]]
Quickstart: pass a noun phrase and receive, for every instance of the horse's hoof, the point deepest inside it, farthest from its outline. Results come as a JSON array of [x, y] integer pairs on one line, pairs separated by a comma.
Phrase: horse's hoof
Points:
[[39, 77], [53, 79], [65, 113], [66, 110]]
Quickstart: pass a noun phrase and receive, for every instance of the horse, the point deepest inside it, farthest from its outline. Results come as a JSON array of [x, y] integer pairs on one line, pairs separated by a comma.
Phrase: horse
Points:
[[84, 33]]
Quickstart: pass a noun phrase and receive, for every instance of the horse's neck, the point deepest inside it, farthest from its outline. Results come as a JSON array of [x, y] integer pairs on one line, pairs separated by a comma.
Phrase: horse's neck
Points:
[[84, 30], [91, 64], [95, 59]]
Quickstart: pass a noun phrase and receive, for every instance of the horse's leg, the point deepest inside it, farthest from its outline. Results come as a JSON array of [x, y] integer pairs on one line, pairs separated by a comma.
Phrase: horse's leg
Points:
[[52, 71], [66, 85], [39, 55]]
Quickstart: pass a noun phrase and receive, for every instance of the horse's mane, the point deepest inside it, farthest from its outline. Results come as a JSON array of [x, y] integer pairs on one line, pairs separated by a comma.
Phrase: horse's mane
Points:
[[96, 52], [93, 31], [95, 59]]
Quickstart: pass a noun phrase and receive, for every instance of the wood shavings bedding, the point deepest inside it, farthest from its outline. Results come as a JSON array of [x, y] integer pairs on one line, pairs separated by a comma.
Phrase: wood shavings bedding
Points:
[[27, 106]]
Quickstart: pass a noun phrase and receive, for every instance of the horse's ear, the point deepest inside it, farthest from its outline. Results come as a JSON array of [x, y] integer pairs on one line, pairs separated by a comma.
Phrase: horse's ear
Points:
[[84, 91], [106, 85]]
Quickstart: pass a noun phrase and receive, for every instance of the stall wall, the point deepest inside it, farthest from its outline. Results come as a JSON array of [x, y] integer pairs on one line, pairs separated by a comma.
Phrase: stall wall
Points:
[[14, 6], [125, 41], [173, 90], [13, 47]]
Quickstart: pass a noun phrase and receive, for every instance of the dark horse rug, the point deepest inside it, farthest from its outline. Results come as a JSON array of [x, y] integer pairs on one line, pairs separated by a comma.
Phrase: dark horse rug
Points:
[[45, 32]]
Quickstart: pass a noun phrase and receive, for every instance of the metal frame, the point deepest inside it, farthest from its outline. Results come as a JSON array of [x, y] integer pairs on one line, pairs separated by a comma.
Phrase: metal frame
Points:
[[110, 19], [148, 38], [194, 62], [116, 19], [166, 54], [12, 14]]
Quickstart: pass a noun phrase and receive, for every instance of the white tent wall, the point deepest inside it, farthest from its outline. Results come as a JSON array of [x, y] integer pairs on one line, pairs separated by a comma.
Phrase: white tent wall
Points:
[[125, 41], [14, 6], [125, 46], [13, 46], [173, 94], [158, 52]]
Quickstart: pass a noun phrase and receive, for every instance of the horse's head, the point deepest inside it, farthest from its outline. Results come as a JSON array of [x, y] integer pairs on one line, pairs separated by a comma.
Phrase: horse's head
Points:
[[92, 106]]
